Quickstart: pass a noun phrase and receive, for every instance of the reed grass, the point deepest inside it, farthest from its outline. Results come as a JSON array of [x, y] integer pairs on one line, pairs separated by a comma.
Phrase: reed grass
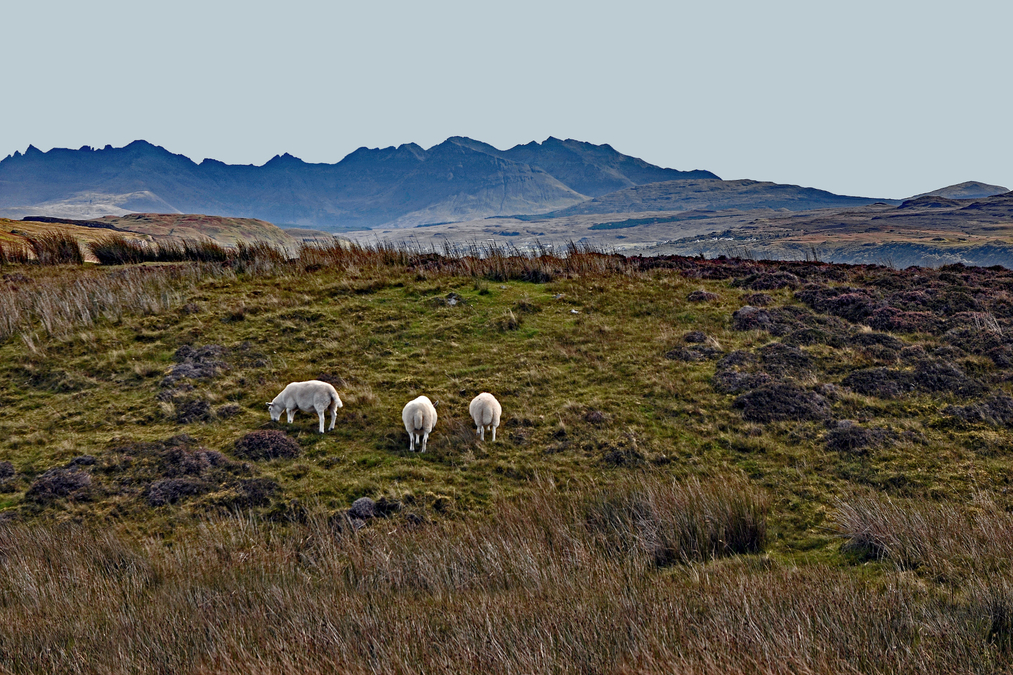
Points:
[[55, 248], [532, 588]]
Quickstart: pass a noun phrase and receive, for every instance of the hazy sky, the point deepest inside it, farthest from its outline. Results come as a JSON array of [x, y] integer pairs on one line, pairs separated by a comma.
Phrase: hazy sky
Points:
[[881, 99]]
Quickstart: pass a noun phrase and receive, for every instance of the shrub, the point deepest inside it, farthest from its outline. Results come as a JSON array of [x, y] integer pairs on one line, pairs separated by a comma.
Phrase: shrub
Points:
[[57, 483], [781, 401], [171, 490], [266, 444]]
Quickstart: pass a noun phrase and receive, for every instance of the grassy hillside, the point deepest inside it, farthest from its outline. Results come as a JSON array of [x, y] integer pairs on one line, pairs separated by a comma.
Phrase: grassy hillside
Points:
[[703, 465]]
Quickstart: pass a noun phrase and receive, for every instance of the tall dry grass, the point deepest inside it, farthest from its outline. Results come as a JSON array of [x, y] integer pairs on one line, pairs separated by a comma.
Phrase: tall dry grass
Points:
[[493, 262], [540, 586], [55, 248], [59, 303], [14, 254], [943, 541]]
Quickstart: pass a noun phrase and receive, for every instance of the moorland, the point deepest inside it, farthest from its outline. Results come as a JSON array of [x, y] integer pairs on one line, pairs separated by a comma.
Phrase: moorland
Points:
[[705, 465]]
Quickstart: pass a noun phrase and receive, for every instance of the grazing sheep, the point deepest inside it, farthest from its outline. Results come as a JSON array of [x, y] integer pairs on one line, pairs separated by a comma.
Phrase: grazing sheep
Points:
[[486, 411], [419, 416], [306, 396]]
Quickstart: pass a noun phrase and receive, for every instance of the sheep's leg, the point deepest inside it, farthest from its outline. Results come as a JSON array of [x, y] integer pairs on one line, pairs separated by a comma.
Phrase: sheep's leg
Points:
[[334, 417], [411, 442], [320, 414], [494, 434], [425, 437], [481, 432], [291, 414]]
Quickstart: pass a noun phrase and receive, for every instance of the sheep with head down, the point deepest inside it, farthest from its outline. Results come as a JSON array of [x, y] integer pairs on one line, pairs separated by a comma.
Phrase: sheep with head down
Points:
[[486, 411], [312, 395], [419, 417]]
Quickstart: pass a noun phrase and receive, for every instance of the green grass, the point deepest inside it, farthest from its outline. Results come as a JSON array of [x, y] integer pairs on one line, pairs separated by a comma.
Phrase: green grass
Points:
[[587, 341]]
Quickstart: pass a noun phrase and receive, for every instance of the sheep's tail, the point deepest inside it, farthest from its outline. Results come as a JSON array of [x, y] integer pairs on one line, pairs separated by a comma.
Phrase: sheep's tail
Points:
[[419, 419]]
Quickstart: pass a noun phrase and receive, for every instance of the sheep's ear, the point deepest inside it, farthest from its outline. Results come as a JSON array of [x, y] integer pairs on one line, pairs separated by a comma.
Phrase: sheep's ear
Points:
[[436, 404], [269, 404]]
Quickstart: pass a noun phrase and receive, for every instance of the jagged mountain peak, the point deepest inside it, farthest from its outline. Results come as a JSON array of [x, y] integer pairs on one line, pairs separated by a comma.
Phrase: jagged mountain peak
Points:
[[460, 178]]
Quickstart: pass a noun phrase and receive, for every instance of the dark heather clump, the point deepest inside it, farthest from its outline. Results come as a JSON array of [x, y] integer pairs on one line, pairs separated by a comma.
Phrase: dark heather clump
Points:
[[737, 372], [700, 347], [996, 410], [750, 318], [171, 490], [849, 438], [876, 339], [255, 492], [194, 410], [759, 299], [227, 411], [6, 470], [783, 360], [702, 296], [772, 281], [780, 401], [880, 382], [929, 376], [57, 483], [814, 336], [853, 304], [266, 445], [900, 321], [200, 363], [736, 382]]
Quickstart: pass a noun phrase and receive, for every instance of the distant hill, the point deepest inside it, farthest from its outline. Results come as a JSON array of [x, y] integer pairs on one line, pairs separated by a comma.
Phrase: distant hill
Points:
[[686, 195], [459, 179], [968, 190], [159, 226]]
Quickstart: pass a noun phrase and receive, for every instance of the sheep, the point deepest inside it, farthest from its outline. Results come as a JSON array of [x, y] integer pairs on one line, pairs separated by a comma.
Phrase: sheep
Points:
[[306, 396], [419, 417], [486, 411]]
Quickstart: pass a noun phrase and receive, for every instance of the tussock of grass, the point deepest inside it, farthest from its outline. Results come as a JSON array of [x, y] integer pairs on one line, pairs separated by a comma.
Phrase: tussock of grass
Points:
[[941, 540], [55, 248]]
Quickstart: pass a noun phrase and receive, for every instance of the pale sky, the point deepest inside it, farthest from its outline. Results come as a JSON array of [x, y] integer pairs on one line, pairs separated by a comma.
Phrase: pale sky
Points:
[[879, 99]]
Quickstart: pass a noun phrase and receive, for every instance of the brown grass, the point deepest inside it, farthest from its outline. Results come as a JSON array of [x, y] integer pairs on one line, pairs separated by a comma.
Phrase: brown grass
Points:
[[544, 585], [943, 541]]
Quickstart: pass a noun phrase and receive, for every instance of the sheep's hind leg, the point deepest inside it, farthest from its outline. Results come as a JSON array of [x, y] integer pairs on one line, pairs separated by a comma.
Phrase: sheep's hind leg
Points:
[[425, 438], [334, 417], [320, 414], [481, 432], [494, 434], [411, 442]]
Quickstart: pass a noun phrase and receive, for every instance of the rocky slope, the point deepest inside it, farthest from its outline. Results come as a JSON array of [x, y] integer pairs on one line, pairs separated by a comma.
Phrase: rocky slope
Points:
[[458, 179]]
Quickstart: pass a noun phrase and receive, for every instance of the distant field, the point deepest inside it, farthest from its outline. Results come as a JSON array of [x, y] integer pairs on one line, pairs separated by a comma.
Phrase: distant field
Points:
[[703, 466]]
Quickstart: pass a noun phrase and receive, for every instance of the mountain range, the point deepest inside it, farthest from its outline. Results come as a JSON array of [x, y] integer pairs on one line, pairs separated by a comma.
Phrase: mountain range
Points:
[[459, 179]]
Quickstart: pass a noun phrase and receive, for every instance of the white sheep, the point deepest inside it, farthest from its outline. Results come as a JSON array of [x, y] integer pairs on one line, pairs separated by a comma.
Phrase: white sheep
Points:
[[486, 411], [419, 417], [306, 396]]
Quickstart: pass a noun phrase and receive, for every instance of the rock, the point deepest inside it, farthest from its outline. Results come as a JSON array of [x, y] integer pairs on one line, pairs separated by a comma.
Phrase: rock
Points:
[[363, 508]]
